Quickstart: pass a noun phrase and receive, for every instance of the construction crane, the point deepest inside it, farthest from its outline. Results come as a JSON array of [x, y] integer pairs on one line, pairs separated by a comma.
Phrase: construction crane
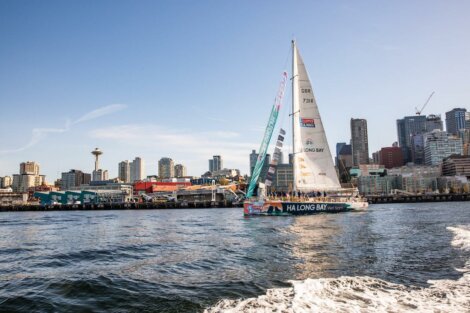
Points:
[[418, 112]]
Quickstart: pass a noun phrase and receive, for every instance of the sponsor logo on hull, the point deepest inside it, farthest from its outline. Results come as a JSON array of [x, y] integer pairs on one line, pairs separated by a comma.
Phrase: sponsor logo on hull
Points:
[[293, 208]]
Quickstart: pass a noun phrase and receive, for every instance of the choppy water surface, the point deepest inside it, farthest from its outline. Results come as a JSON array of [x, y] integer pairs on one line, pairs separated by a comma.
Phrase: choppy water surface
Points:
[[389, 258]]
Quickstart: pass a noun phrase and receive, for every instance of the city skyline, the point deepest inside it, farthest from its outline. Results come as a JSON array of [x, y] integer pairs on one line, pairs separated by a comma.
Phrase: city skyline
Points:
[[66, 88]]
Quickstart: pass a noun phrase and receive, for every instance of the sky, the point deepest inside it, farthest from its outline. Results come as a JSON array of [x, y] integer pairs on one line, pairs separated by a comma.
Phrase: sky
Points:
[[192, 79]]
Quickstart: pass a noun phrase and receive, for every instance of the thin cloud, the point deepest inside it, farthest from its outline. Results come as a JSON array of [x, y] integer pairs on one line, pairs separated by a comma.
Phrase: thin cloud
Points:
[[39, 134], [106, 110]]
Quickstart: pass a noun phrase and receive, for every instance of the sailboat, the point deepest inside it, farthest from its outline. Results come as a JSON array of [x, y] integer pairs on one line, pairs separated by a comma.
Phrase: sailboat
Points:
[[315, 186]]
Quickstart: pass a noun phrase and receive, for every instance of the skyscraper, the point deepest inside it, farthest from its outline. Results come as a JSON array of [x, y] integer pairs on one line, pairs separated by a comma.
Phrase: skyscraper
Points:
[[439, 145], [407, 127], [29, 168], [166, 168], [28, 177], [253, 158], [137, 169], [180, 170], [215, 164], [455, 120], [74, 178], [339, 146], [433, 122], [124, 171], [359, 141]]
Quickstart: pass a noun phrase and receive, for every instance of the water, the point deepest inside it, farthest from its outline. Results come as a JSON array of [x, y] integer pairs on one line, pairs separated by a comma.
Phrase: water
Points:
[[399, 257]]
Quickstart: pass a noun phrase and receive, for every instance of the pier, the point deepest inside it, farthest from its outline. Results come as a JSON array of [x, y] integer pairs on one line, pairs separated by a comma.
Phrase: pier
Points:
[[418, 198], [121, 206]]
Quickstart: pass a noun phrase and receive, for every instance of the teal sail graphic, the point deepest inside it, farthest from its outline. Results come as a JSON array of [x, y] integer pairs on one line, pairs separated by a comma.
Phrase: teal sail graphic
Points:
[[268, 133]]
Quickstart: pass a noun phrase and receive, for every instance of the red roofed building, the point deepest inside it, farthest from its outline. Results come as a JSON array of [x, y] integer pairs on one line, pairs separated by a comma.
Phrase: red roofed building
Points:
[[151, 187]]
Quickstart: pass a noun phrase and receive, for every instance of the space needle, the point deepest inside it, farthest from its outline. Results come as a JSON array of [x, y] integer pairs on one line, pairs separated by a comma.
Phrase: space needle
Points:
[[97, 152]]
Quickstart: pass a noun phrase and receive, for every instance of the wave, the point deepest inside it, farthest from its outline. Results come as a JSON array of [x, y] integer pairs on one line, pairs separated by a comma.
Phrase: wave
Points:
[[363, 294]]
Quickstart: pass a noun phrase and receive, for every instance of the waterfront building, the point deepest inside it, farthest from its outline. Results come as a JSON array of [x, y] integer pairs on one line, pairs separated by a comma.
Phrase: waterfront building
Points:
[[180, 170], [166, 168], [216, 163], [456, 165], [391, 157], [74, 178], [455, 120], [453, 184], [439, 145], [5, 181], [359, 141], [377, 185], [124, 171], [137, 169], [13, 198], [417, 184]]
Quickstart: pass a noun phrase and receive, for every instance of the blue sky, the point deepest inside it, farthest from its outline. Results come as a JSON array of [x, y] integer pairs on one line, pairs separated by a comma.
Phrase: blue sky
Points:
[[189, 79]]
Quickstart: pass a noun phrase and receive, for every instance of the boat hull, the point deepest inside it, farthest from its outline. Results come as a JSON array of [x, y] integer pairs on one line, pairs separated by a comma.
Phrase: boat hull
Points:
[[298, 208]]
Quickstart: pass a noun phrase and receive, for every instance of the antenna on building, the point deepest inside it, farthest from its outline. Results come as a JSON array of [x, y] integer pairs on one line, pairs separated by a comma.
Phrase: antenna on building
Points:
[[418, 112]]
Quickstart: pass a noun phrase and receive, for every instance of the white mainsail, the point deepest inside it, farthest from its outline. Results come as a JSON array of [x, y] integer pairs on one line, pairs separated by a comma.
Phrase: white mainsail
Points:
[[313, 164]]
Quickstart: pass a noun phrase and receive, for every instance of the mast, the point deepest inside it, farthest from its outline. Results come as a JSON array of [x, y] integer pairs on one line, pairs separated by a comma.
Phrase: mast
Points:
[[294, 98]]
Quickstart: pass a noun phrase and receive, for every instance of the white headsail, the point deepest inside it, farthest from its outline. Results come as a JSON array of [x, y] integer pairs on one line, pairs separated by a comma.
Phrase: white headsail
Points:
[[313, 164]]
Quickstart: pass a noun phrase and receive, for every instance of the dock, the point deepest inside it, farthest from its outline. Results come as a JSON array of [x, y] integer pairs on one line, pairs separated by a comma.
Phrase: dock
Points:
[[121, 206], [418, 198]]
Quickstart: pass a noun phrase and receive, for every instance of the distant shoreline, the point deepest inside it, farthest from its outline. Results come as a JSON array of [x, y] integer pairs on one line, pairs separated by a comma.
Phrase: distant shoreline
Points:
[[418, 198]]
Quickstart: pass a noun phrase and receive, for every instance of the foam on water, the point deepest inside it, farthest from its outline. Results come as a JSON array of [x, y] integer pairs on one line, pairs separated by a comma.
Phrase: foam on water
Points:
[[364, 294]]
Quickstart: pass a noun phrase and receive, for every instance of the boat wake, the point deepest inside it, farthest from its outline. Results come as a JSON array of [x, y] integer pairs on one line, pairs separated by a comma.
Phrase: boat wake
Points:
[[364, 294]]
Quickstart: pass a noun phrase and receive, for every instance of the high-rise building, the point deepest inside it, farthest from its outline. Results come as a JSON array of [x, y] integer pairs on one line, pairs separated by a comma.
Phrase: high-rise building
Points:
[[433, 122], [391, 157], [99, 175], [29, 168], [180, 170], [339, 146], [215, 164], [253, 159], [137, 169], [166, 168], [359, 141], [407, 127], [29, 177], [439, 145], [5, 181], [464, 134], [124, 171], [455, 120], [74, 178]]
